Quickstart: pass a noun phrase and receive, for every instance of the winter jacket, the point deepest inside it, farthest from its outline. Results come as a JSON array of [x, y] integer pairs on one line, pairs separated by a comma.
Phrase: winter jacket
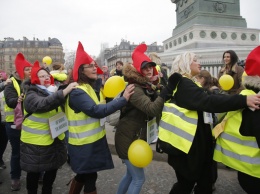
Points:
[[237, 72], [10, 93], [198, 161], [96, 156], [37, 158], [142, 106]]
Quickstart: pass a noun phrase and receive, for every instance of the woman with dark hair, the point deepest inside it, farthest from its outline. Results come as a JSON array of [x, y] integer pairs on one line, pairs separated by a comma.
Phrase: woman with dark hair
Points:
[[87, 144], [231, 68], [144, 105]]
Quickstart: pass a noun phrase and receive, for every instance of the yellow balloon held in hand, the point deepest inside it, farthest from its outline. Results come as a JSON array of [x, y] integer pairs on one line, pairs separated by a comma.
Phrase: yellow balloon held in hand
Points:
[[47, 60], [226, 82], [140, 153], [113, 86]]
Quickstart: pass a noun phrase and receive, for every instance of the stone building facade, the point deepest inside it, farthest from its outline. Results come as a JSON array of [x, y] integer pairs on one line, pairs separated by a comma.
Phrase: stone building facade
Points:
[[123, 52], [32, 50]]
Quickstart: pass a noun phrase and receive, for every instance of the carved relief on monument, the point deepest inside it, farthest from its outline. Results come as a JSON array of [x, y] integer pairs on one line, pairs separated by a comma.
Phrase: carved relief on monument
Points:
[[202, 34], [220, 7], [181, 5], [223, 35], [213, 34], [223, 1], [191, 35], [243, 36], [185, 38], [253, 37], [234, 36], [175, 42]]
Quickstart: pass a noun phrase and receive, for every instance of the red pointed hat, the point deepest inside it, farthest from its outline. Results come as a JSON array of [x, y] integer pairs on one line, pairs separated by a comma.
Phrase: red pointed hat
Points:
[[82, 58], [140, 59], [20, 63], [252, 67], [34, 77]]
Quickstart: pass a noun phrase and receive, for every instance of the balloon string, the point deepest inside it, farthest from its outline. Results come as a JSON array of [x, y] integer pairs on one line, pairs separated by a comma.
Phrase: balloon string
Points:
[[139, 136]]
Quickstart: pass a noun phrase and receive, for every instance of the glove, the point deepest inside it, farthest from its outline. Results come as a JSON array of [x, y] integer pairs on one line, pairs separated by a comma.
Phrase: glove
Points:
[[173, 80]]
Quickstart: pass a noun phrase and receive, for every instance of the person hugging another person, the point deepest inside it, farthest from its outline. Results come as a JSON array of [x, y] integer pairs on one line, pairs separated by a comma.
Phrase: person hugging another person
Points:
[[85, 110], [39, 150], [239, 145], [184, 135], [143, 106]]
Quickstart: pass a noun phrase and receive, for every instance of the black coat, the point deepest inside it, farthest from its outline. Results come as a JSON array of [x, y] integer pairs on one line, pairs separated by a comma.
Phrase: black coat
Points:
[[190, 96], [38, 158]]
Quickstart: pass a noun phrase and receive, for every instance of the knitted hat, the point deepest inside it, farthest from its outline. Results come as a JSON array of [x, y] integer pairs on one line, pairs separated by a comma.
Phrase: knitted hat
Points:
[[34, 77], [82, 58], [140, 59], [252, 67], [20, 64]]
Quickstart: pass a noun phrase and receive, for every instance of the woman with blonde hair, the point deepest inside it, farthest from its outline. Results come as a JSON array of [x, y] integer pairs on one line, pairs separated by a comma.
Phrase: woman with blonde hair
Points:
[[184, 135], [162, 72]]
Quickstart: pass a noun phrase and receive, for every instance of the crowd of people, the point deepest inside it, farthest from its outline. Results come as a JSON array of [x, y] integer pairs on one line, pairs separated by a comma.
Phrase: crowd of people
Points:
[[186, 104]]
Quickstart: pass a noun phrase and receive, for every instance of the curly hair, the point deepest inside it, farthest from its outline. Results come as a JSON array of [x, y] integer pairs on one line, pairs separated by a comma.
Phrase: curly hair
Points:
[[181, 64]]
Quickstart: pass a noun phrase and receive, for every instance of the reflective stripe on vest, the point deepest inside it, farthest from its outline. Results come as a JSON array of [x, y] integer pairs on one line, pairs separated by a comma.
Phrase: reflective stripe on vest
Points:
[[82, 128], [178, 126], [239, 152], [9, 112], [36, 130]]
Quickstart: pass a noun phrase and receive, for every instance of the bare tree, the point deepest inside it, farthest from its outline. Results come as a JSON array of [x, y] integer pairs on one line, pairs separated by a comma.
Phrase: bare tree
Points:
[[69, 59]]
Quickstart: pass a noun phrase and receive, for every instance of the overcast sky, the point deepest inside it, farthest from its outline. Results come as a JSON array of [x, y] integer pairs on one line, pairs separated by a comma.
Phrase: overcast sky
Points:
[[94, 22]]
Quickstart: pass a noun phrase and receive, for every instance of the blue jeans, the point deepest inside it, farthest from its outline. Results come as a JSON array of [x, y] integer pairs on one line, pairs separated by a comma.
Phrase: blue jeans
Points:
[[14, 139], [132, 181]]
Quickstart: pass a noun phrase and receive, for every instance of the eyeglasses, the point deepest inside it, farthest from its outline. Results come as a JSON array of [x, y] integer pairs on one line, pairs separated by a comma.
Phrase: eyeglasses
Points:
[[44, 76], [90, 66]]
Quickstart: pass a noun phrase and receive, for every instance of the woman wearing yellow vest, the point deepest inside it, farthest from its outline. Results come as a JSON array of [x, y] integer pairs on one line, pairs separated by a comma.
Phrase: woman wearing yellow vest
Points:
[[39, 151], [183, 131], [13, 94], [87, 145], [238, 146]]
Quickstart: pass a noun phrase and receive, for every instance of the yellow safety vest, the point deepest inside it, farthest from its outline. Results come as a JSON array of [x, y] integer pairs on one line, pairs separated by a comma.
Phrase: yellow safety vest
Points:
[[82, 128], [36, 129], [239, 152], [178, 126], [9, 112]]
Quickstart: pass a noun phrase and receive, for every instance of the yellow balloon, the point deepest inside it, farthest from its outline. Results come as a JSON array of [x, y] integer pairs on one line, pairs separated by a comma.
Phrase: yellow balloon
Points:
[[226, 82], [140, 153], [113, 86], [47, 60]]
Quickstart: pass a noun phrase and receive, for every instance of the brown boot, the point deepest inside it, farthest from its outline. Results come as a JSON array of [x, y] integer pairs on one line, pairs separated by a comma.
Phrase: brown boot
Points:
[[93, 192], [75, 187]]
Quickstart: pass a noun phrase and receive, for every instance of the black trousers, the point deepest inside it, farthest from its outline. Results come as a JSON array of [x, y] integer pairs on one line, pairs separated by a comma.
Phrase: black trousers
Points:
[[48, 180], [3, 140], [89, 181], [250, 184]]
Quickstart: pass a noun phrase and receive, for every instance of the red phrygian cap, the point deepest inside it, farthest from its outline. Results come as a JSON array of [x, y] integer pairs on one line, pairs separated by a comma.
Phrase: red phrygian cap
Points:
[[252, 67], [139, 57], [34, 77], [20, 63], [82, 58]]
